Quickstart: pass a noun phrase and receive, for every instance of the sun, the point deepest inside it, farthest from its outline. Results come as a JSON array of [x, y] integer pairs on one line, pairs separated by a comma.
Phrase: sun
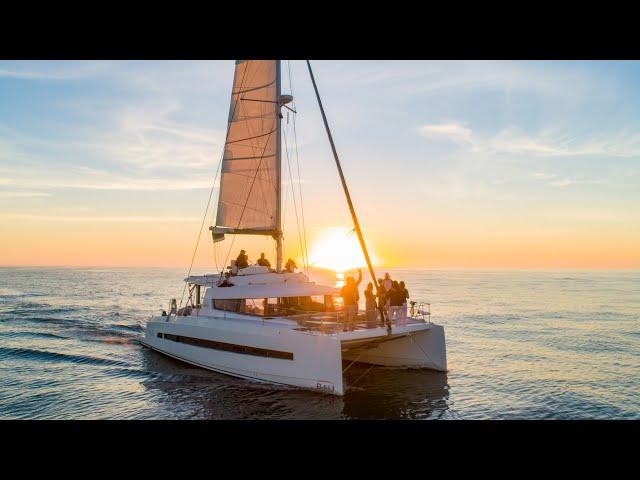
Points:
[[337, 249]]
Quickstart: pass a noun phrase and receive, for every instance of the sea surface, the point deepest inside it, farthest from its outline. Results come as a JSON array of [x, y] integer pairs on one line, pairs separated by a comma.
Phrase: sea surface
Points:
[[521, 345]]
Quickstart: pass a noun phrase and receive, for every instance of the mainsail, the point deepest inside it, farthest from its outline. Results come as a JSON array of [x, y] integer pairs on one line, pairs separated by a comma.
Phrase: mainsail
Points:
[[249, 199]]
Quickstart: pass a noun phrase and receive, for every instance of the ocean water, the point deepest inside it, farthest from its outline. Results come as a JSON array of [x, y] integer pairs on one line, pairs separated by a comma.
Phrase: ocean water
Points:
[[521, 345]]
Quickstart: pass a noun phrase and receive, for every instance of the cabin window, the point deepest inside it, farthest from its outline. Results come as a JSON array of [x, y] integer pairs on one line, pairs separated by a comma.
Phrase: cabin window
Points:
[[230, 305], [255, 306], [277, 307]]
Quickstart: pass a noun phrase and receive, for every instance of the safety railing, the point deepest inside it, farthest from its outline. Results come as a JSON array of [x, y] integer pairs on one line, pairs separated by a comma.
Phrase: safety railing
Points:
[[323, 321], [420, 310]]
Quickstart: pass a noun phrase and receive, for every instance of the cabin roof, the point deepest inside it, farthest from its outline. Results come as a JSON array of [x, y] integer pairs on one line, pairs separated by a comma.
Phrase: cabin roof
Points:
[[260, 283], [254, 276], [306, 289]]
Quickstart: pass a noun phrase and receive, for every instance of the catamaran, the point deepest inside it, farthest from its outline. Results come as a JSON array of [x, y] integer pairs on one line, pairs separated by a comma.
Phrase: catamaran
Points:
[[275, 325]]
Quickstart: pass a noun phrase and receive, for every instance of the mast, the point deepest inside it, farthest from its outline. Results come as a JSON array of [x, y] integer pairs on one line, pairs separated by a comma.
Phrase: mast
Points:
[[354, 217], [278, 235]]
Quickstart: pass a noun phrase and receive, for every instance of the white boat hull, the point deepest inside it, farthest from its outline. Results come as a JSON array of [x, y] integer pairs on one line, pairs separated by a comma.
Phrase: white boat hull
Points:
[[421, 349], [282, 355], [306, 361]]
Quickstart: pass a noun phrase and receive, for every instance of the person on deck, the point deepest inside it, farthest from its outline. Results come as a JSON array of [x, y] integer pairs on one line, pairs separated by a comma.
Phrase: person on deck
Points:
[[290, 266], [370, 306], [350, 297], [404, 295], [263, 262], [242, 261], [233, 269], [395, 302], [382, 299], [387, 283]]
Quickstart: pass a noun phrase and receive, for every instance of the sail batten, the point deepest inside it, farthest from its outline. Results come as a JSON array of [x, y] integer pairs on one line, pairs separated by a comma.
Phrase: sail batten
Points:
[[249, 184]]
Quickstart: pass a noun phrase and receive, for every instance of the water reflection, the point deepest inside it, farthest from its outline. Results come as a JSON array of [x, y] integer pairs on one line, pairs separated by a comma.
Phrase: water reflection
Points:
[[391, 393], [197, 393], [372, 393]]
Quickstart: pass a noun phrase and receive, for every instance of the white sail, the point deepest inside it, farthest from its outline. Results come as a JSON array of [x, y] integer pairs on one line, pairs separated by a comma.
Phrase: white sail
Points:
[[250, 181]]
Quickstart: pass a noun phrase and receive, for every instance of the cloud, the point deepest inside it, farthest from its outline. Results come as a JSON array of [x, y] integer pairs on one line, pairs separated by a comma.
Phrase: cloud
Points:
[[592, 215], [559, 143], [36, 75], [548, 143], [560, 183], [543, 176], [428, 78], [553, 183], [141, 149], [455, 132], [158, 76], [85, 178], [510, 140], [96, 219], [23, 194], [146, 138]]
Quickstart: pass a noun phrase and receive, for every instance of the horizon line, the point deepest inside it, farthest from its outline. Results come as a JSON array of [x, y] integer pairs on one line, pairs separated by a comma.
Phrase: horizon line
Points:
[[393, 267]]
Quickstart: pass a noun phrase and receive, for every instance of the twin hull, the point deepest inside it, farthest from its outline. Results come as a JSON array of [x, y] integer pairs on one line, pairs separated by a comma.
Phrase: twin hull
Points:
[[293, 357]]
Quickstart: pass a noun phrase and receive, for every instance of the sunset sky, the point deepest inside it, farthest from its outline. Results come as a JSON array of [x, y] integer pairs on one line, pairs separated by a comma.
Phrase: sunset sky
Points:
[[450, 164]]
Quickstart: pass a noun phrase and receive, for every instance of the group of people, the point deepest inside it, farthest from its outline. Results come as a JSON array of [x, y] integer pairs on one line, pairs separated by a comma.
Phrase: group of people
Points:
[[391, 299], [242, 261]]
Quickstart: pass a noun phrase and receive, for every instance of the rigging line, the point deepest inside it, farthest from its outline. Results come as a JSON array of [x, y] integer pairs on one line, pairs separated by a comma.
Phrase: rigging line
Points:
[[204, 218], [425, 353], [287, 188], [293, 193], [233, 204], [361, 376], [354, 361], [295, 142], [295, 207], [212, 221], [252, 89], [284, 213], [256, 100]]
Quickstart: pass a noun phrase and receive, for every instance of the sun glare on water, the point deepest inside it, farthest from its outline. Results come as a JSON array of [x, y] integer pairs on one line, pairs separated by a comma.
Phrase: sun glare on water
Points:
[[337, 249]]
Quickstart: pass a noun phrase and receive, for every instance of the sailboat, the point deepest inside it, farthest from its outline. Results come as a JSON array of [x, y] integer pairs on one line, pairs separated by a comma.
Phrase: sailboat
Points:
[[275, 325]]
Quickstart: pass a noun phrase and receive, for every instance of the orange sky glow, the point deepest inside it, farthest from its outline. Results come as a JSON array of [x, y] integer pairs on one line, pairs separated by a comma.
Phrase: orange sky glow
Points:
[[449, 164], [149, 245]]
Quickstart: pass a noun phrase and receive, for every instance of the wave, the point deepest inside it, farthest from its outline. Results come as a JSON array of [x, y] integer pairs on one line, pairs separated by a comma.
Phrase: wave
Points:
[[26, 309], [82, 325], [123, 372], [33, 354], [32, 335], [113, 340], [133, 328]]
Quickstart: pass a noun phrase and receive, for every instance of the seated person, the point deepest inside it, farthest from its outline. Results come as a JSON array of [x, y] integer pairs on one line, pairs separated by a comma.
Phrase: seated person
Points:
[[290, 266], [242, 261], [263, 262]]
